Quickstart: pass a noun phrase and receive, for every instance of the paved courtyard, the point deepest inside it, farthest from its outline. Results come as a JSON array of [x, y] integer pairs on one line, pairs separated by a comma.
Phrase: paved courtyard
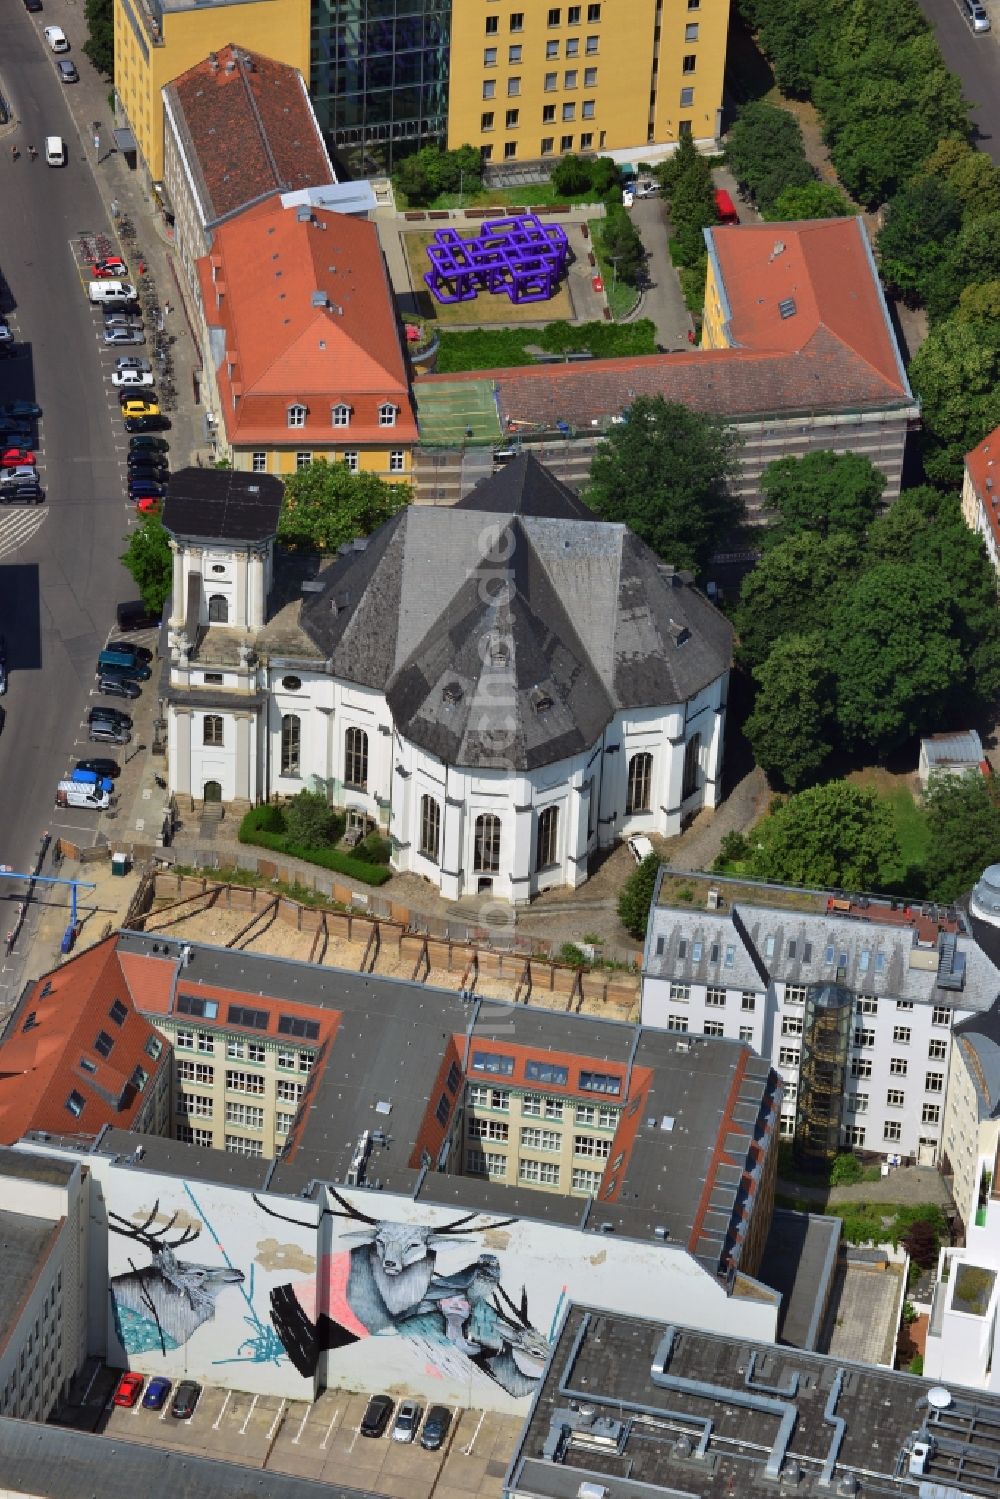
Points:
[[864, 1308]]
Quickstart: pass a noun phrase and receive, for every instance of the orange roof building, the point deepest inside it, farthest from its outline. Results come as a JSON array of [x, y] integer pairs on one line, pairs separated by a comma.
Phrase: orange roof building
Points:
[[77, 1057], [303, 353], [981, 494]]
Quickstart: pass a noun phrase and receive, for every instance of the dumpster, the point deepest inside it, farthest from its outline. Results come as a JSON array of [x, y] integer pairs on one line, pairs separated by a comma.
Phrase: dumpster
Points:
[[119, 864]]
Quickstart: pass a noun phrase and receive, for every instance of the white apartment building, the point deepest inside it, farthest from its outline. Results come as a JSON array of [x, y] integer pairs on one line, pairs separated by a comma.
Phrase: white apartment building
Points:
[[737, 959]]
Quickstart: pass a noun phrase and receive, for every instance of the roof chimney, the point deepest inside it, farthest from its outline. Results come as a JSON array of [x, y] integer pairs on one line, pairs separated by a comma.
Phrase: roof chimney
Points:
[[230, 65], [213, 61]]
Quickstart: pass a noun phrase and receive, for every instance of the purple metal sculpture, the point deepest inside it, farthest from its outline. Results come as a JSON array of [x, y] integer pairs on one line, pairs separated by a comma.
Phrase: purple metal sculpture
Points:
[[518, 256]]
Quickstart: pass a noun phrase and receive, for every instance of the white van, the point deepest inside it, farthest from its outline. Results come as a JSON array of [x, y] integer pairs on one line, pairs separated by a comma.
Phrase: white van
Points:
[[110, 291], [73, 794], [55, 151]]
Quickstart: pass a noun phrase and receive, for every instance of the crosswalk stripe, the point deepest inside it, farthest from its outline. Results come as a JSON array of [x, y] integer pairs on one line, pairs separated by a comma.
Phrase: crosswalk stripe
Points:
[[18, 526]]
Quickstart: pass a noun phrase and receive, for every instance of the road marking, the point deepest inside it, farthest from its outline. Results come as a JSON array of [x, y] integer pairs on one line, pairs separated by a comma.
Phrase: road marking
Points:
[[246, 1423], [329, 1429], [302, 1426], [17, 527], [277, 1420], [215, 1423]]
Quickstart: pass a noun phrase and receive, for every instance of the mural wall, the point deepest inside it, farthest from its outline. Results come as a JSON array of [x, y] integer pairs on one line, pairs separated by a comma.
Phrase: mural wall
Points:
[[369, 1291]]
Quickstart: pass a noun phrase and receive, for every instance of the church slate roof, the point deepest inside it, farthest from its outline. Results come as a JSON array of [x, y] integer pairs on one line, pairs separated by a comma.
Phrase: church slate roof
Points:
[[509, 632]]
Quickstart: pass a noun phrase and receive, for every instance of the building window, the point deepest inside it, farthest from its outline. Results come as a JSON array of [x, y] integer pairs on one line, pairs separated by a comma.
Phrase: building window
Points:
[[352, 461], [211, 729], [569, 78], [688, 62], [489, 1163], [195, 1072], [555, 17], [533, 1138], [258, 463], [569, 112], [340, 415], [218, 609], [287, 1091], [514, 54], [895, 1098], [387, 414], [713, 1028], [486, 120], [244, 1082], [545, 1173], [513, 87], [748, 1001], [356, 758], [489, 1129], [687, 98], [242, 1145], [591, 1145], [937, 1050], [590, 77], [303, 460], [934, 1082], [788, 1056], [941, 1015], [430, 827], [250, 1116], [898, 1066], [188, 1136], [680, 991], [296, 416], [483, 1097], [691, 31], [867, 1003], [855, 1132], [861, 1067], [206, 1043], [858, 1102], [75, 1103], [592, 45], [283, 1123], [677, 1023], [546, 853], [291, 744], [715, 997], [195, 1105], [746, 1034], [397, 461], [901, 1035], [795, 994], [487, 844], [551, 83], [492, 25], [640, 782], [931, 1114], [573, 47], [512, 118], [893, 1130], [586, 1181], [692, 767], [593, 13], [548, 144], [517, 20], [588, 109]]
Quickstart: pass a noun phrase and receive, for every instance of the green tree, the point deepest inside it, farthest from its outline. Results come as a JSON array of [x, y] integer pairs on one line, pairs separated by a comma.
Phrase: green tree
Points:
[[833, 835], [814, 200], [963, 814], [571, 175], [686, 179], [621, 244], [766, 154], [325, 505], [310, 821], [969, 173], [891, 637], [149, 559], [979, 303], [636, 896], [976, 255], [665, 472], [921, 222], [790, 728], [823, 492], [430, 171], [100, 43], [956, 375], [793, 590]]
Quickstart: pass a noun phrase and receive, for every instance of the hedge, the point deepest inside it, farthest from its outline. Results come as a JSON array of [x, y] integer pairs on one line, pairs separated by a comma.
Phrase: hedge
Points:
[[507, 348], [326, 858]]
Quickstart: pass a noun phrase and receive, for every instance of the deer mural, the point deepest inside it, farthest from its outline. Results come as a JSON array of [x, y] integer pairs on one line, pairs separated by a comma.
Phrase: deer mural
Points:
[[161, 1305]]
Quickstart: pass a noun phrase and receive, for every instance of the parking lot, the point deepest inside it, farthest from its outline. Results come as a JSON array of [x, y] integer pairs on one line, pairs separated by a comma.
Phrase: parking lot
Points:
[[321, 1441]]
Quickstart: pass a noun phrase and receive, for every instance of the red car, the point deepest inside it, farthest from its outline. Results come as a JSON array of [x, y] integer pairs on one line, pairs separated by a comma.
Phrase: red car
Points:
[[16, 457], [113, 269], [129, 1389], [149, 506]]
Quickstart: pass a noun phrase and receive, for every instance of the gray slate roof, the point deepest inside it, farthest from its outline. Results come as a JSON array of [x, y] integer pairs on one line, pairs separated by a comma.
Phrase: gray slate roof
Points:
[[514, 643]]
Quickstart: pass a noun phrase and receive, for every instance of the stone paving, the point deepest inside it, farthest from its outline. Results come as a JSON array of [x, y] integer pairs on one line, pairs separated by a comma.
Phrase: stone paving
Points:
[[864, 1309]]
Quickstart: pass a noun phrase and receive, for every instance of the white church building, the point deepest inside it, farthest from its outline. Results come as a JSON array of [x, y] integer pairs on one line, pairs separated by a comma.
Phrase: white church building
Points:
[[501, 687]]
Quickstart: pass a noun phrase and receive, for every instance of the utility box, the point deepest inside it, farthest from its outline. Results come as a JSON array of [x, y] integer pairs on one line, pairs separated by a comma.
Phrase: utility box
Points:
[[119, 864]]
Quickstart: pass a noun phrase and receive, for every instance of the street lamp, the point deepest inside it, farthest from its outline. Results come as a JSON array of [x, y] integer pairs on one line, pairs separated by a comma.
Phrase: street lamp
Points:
[[614, 269]]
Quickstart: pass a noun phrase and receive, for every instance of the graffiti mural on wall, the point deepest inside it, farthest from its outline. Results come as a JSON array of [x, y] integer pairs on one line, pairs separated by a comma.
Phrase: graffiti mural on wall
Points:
[[388, 1283]]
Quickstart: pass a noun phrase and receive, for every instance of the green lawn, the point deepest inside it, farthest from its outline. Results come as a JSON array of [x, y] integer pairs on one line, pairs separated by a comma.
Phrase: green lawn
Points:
[[911, 827], [532, 195], [621, 297]]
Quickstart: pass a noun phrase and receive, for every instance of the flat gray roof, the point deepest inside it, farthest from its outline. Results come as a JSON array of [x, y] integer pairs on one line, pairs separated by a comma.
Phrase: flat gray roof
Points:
[[23, 1246], [37, 1168], [54, 1462], [639, 1407]]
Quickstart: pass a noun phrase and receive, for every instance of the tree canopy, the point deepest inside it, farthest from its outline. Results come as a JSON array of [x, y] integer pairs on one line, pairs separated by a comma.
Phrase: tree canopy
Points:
[[431, 171], [813, 200], [100, 43], [791, 728], [665, 472], [325, 505], [822, 492], [963, 813], [838, 835], [956, 375], [792, 591], [766, 155], [636, 896], [150, 561]]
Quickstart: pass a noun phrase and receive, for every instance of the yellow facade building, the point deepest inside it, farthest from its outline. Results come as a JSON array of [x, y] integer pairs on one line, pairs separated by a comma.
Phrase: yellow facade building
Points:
[[620, 79], [157, 40]]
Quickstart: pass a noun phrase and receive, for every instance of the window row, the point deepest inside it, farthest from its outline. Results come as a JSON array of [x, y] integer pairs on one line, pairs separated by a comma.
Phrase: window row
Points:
[[259, 460], [340, 414], [571, 76], [574, 16]]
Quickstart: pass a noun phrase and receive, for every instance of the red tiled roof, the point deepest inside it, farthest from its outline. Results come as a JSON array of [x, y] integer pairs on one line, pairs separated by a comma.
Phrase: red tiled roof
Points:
[[259, 285], [784, 283], [982, 465], [248, 130], [55, 1028]]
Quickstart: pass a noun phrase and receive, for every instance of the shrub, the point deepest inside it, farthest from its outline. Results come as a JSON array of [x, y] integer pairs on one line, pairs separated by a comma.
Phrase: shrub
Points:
[[916, 1364], [921, 1243], [575, 956], [734, 848], [268, 818], [636, 896], [845, 1171], [326, 858], [310, 819], [373, 850]]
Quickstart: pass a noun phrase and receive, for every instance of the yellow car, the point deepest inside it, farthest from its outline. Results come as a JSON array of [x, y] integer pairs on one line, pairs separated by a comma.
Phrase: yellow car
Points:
[[140, 408]]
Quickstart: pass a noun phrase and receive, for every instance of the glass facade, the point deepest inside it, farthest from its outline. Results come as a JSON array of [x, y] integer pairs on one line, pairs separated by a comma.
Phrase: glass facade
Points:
[[380, 78], [826, 1040]]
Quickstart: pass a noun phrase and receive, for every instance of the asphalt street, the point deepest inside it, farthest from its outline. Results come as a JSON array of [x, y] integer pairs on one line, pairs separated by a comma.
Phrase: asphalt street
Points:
[[975, 57], [60, 576]]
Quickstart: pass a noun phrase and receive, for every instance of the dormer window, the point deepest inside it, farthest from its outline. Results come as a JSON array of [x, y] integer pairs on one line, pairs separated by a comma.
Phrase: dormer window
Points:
[[387, 414], [296, 416], [341, 415]]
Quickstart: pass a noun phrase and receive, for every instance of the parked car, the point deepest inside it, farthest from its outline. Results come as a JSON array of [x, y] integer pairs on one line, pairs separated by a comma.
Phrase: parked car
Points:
[[131, 379], [117, 684], [55, 151], [115, 318], [133, 406], [139, 653], [156, 1393], [66, 68], [146, 489], [129, 1387], [16, 457], [640, 847], [185, 1400], [116, 334], [23, 473], [147, 443], [376, 1417], [28, 492], [56, 38], [435, 1427], [135, 616], [112, 267], [6, 336], [133, 362], [115, 714], [147, 423], [404, 1428], [13, 409], [148, 505], [149, 460], [106, 730], [976, 15], [33, 5], [101, 766], [3, 666]]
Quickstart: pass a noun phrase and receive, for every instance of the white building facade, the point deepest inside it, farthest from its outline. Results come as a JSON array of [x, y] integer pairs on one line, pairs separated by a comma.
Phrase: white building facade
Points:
[[499, 724]]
